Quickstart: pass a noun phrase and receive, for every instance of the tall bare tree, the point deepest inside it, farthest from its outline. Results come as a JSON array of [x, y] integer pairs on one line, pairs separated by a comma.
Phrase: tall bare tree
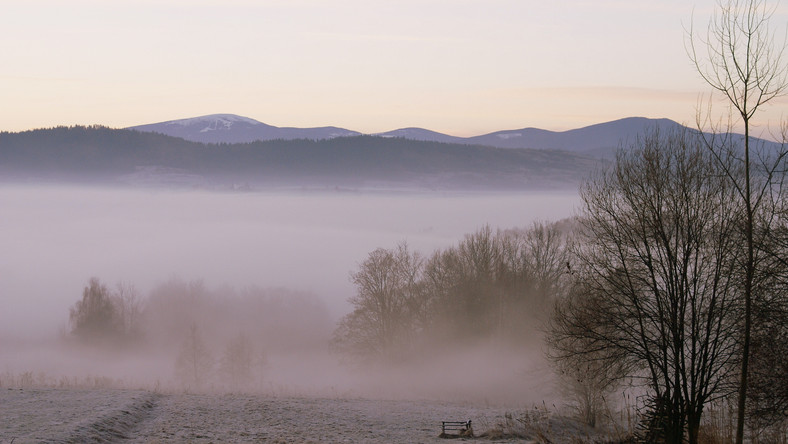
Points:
[[387, 304], [655, 278], [740, 58], [237, 362], [129, 309], [194, 362]]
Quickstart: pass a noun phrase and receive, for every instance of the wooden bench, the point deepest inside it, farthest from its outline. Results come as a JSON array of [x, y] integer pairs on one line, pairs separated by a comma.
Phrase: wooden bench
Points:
[[456, 429]]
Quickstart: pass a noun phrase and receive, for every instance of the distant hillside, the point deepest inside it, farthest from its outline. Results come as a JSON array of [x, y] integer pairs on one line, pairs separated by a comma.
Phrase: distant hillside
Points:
[[602, 139], [422, 135], [599, 140], [99, 154]]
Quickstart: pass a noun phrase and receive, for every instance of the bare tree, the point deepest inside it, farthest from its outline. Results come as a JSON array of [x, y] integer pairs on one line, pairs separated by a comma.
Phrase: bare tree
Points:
[[386, 305], [95, 318], [656, 282], [739, 59], [194, 362], [237, 363], [174, 307], [478, 305], [129, 309], [587, 383], [261, 365], [546, 255]]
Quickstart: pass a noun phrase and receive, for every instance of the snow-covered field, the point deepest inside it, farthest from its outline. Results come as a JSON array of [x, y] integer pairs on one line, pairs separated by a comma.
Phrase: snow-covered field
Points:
[[107, 415]]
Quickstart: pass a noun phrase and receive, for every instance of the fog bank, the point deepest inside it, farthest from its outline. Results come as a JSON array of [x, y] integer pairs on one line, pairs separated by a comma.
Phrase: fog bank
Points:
[[55, 239]]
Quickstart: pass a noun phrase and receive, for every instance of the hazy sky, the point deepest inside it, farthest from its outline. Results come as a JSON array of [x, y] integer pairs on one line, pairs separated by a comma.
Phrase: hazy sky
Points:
[[464, 67]]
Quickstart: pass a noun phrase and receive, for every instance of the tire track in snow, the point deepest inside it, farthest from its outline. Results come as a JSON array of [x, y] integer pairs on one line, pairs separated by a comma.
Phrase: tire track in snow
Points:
[[116, 425]]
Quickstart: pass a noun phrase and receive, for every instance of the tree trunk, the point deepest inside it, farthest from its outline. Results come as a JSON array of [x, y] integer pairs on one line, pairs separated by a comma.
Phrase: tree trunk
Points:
[[749, 274], [693, 426]]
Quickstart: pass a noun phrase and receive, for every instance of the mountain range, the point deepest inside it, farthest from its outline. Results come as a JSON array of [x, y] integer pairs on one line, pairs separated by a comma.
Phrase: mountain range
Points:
[[224, 151], [596, 140], [100, 155]]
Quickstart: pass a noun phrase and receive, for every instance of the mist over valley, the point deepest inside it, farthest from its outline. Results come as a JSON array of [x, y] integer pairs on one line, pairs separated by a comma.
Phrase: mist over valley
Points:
[[273, 265]]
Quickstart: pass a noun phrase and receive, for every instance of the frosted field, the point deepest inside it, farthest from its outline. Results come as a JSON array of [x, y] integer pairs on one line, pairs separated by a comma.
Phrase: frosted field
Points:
[[104, 415]]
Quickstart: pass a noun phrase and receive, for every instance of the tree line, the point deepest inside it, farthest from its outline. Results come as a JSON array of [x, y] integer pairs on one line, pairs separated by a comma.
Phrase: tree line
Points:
[[494, 286], [216, 338]]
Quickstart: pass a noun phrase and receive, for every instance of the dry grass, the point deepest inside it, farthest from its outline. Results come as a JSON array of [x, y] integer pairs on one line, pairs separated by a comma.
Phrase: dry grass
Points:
[[541, 425], [719, 427], [40, 380]]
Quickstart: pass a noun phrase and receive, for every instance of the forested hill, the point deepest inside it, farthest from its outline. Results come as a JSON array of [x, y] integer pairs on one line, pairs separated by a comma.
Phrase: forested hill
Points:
[[102, 155]]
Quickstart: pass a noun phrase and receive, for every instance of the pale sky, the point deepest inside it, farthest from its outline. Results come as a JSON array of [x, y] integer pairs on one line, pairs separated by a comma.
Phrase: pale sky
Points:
[[462, 67]]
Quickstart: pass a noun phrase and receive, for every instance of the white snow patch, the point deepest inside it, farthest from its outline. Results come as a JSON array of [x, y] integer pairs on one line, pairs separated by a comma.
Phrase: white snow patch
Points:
[[506, 136]]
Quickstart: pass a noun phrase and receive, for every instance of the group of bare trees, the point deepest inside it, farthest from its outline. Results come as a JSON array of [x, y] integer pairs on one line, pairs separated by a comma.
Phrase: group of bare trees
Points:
[[107, 316], [485, 288], [240, 366], [217, 338], [679, 272], [660, 272], [657, 279]]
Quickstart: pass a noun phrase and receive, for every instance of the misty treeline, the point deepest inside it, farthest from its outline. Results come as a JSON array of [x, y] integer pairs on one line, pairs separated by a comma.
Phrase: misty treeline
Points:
[[493, 287], [215, 338]]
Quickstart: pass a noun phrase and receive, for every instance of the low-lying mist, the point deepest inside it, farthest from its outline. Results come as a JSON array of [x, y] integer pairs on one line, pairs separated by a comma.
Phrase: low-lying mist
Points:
[[274, 268]]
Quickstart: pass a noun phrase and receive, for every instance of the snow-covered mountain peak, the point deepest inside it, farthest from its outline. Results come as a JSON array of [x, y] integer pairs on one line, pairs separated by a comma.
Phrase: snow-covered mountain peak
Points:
[[232, 128], [214, 121]]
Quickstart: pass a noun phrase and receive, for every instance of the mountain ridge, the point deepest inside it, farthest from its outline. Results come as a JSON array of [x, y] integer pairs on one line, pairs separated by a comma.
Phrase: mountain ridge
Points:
[[104, 155], [599, 139]]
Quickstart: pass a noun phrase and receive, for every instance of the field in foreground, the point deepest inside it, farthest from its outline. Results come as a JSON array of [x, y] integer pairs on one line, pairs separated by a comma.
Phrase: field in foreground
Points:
[[104, 415]]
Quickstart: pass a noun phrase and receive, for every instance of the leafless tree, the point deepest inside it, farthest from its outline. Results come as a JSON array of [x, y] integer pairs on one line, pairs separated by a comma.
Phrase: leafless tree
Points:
[[238, 360], [194, 363], [129, 309], [95, 318], [545, 255], [260, 363], [174, 307], [386, 306], [740, 59], [477, 305], [587, 383], [656, 277]]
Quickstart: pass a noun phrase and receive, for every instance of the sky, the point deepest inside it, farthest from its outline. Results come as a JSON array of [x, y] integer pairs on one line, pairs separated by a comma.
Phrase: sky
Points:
[[461, 67]]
